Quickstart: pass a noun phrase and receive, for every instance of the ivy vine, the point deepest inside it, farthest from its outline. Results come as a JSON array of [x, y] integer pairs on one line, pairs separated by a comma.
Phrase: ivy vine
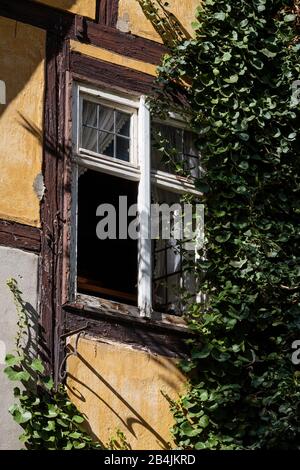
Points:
[[239, 79], [49, 419]]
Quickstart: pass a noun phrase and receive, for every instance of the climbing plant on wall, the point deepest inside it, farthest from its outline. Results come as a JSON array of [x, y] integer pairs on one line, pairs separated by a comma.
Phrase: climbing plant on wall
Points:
[[239, 75], [49, 419]]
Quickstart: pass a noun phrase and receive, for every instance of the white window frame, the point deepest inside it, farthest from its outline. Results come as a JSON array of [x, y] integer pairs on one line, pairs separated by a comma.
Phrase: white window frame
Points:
[[138, 169], [169, 181], [94, 160]]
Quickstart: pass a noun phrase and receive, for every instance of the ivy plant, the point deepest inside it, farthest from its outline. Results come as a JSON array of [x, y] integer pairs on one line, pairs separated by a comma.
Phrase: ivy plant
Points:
[[49, 419], [237, 82]]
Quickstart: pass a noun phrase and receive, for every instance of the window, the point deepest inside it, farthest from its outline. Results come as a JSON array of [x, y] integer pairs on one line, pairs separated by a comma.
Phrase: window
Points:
[[182, 161], [175, 163], [105, 130], [105, 268], [116, 159]]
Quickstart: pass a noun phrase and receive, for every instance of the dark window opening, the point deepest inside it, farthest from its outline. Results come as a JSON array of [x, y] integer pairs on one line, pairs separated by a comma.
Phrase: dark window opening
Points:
[[105, 268]]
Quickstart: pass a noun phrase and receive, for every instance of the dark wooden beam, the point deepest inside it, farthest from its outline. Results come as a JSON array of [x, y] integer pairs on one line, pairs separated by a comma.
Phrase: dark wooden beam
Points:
[[37, 14], [109, 75], [138, 334], [107, 12], [22, 237], [79, 28], [54, 155], [125, 44]]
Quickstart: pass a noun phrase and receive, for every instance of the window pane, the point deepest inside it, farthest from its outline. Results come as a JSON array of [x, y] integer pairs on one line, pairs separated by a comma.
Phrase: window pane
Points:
[[123, 124], [173, 258], [105, 268], [166, 147], [191, 154], [174, 150], [89, 139], [166, 293], [113, 136], [106, 119], [89, 113], [166, 255], [106, 144], [123, 146], [173, 266]]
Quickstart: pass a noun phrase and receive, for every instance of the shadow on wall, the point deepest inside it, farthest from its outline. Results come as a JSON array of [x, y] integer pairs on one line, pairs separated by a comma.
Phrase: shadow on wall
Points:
[[17, 62], [29, 333], [136, 419], [165, 23]]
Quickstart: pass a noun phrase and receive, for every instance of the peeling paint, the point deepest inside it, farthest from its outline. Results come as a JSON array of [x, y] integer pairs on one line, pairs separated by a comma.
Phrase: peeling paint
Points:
[[38, 186], [121, 388], [123, 23], [2, 92]]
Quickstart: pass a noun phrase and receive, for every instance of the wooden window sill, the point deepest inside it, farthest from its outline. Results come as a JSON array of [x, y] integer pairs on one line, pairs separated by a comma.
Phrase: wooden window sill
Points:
[[125, 313]]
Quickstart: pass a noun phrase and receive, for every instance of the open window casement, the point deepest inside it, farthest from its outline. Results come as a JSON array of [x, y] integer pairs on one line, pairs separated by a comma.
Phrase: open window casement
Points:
[[114, 158]]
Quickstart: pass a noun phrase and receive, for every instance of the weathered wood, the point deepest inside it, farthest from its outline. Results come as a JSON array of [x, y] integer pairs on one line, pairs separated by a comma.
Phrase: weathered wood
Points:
[[50, 276], [125, 44], [36, 14], [22, 237], [107, 12], [110, 324], [123, 312], [110, 75], [79, 28]]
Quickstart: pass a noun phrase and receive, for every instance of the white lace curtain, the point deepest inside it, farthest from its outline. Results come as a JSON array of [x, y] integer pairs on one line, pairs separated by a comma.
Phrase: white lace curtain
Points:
[[100, 126]]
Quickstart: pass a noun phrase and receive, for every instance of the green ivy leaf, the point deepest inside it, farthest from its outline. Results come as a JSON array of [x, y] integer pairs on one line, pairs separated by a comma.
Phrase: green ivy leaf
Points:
[[268, 53], [37, 365], [232, 79], [289, 18], [12, 361], [223, 238], [78, 419], [220, 16], [22, 416]]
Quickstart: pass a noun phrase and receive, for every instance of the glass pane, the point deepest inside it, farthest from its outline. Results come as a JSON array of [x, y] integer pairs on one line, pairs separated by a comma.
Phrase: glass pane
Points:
[[174, 151], [166, 148], [174, 291], [191, 154], [123, 123], [89, 139], [167, 254], [89, 113], [173, 258], [123, 146], [106, 119], [173, 266], [159, 264], [159, 295], [106, 144], [166, 293]]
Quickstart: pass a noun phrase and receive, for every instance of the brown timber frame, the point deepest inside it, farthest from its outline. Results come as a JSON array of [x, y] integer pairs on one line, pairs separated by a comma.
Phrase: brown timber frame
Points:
[[107, 12], [22, 237], [58, 317]]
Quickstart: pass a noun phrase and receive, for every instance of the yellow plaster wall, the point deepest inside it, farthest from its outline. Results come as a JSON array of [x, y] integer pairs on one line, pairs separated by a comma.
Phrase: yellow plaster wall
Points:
[[80, 7], [119, 387], [132, 19], [22, 54], [112, 57]]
